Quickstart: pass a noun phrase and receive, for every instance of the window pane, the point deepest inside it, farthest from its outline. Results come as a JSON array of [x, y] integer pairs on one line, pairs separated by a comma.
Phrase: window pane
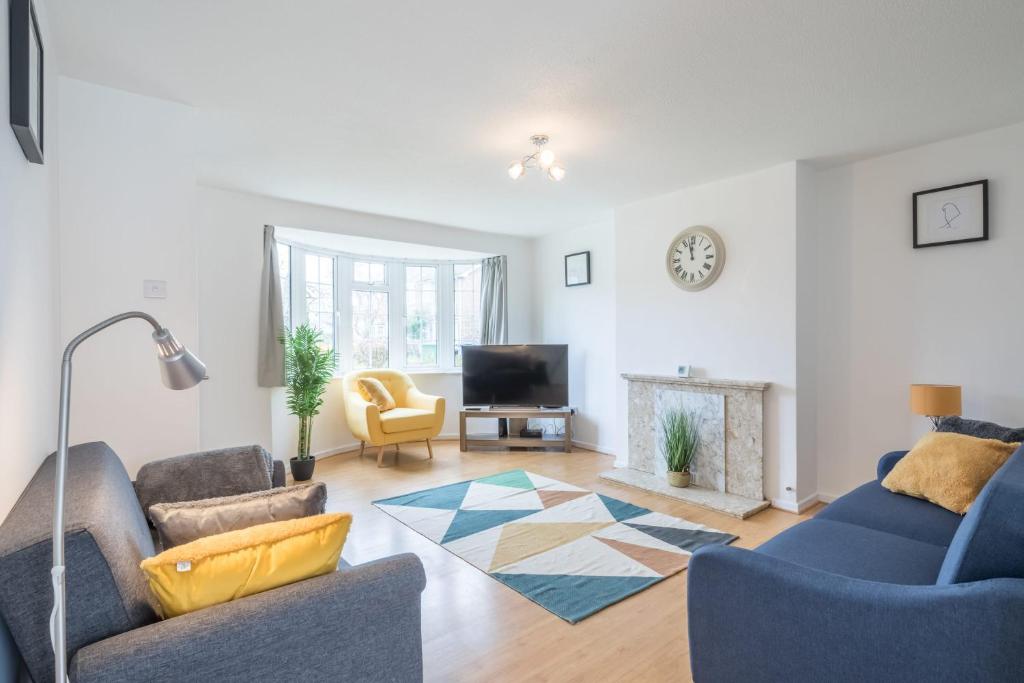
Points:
[[466, 311], [369, 329], [369, 272], [420, 316], [320, 295], [284, 266]]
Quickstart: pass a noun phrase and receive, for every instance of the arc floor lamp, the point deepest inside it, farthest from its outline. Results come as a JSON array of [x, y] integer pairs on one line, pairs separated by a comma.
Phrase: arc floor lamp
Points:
[[179, 369]]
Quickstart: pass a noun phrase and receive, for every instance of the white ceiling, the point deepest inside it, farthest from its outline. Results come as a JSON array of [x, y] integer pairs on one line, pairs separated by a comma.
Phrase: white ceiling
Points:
[[414, 109]]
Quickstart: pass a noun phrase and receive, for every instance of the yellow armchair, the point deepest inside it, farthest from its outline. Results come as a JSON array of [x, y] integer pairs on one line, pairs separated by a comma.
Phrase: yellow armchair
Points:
[[416, 417]]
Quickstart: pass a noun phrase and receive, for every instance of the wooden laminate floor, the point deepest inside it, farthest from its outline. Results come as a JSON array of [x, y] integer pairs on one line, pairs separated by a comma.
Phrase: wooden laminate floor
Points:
[[475, 628]]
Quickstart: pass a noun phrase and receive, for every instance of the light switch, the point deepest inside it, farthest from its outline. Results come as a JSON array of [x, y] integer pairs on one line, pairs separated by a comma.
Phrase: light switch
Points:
[[154, 289]]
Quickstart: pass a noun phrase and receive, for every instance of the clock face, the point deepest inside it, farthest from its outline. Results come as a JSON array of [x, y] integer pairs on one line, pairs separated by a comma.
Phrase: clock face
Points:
[[695, 258]]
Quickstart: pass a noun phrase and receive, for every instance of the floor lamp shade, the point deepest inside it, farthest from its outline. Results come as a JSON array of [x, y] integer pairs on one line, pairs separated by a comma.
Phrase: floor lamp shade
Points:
[[179, 368], [935, 400]]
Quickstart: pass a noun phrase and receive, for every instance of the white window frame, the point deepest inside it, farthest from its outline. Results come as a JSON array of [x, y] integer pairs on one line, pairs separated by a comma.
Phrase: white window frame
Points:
[[299, 312], [451, 307], [395, 287]]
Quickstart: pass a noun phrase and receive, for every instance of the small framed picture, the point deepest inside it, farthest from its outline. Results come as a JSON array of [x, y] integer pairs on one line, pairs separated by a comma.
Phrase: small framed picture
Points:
[[26, 86], [951, 215], [684, 371], [577, 269]]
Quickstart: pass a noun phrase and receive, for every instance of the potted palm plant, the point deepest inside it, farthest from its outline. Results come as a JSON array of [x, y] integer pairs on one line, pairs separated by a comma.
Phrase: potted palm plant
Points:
[[308, 368], [680, 434]]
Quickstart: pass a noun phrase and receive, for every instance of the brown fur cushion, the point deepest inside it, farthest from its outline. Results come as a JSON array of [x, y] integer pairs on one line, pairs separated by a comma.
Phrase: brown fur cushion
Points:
[[180, 523], [948, 469]]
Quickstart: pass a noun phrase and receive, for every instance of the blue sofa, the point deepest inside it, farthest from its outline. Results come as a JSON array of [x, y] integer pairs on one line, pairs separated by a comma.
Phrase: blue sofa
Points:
[[877, 587]]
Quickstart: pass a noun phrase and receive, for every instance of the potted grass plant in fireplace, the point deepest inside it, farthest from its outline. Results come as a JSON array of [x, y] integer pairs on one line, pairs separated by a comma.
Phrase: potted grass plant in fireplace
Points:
[[680, 439], [308, 369]]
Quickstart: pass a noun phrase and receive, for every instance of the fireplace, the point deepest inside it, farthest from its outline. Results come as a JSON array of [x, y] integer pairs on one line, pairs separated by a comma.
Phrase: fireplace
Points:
[[728, 469]]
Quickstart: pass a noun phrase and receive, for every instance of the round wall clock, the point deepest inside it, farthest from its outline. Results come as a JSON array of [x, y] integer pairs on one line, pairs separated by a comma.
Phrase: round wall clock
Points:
[[695, 258]]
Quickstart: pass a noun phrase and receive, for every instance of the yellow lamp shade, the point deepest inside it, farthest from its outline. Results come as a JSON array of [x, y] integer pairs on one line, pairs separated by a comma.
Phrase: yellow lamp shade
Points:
[[935, 400]]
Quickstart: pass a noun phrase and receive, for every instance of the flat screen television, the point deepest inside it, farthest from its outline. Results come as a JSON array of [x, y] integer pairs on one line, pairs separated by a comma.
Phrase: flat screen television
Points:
[[515, 375]]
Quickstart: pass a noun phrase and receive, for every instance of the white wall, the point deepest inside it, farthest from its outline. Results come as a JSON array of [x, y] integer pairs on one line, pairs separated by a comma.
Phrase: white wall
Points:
[[890, 315], [584, 318], [821, 295], [807, 335], [230, 228], [742, 327], [29, 286], [29, 298], [127, 214], [132, 210]]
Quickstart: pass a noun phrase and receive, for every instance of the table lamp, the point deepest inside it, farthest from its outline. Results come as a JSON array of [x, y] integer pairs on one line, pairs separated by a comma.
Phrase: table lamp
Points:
[[179, 369], [935, 401]]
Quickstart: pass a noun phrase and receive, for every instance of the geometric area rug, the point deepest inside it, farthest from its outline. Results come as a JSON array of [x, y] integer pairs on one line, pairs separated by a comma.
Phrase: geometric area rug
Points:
[[571, 551]]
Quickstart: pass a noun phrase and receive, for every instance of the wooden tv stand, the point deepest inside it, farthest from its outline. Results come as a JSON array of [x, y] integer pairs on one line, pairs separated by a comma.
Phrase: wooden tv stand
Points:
[[563, 441]]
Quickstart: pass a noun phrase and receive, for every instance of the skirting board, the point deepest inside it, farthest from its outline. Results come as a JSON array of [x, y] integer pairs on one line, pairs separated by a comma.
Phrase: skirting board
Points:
[[354, 446], [597, 448], [718, 501], [799, 507]]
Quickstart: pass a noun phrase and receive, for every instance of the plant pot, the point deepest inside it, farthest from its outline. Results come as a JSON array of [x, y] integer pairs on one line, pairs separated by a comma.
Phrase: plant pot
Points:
[[678, 479], [302, 470]]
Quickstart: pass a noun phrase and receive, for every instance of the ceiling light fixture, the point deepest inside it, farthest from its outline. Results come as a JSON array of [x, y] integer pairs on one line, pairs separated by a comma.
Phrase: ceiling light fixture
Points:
[[541, 158]]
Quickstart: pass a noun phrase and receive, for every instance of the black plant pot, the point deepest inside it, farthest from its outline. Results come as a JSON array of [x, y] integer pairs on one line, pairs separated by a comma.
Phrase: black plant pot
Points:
[[302, 470]]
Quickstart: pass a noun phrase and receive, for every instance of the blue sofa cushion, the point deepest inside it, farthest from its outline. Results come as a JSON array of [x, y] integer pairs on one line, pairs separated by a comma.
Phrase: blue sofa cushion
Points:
[[990, 542], [872, 506], [980, 429], [857, 552]]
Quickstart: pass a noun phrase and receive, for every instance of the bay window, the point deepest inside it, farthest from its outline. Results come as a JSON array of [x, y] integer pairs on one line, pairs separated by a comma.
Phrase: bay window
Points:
[[383, 312], [466, 307], [420, 316], [320, 301], [369, 329]]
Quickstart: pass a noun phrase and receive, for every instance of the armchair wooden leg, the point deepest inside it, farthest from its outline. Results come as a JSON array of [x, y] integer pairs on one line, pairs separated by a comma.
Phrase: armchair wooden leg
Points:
[[362, 449], [398, 448], [430, 450], [380, 457]]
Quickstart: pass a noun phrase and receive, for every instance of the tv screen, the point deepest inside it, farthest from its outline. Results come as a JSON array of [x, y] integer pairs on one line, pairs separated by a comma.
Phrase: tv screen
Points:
[[515, 375]]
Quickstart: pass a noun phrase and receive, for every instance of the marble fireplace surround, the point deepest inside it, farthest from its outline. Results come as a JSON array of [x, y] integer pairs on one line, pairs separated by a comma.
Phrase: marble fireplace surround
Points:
[[728, 470]]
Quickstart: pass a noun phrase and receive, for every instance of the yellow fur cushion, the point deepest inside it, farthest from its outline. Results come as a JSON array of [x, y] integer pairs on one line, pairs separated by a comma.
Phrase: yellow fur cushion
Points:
[[235, 564], [948, 469], [374, 391]]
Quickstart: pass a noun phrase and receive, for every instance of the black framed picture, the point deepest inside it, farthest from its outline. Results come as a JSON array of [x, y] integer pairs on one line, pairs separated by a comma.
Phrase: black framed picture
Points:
[[951, 215], [577, 269], [26, 87]]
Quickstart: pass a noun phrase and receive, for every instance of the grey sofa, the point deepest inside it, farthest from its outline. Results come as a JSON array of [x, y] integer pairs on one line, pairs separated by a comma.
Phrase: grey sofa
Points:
[[358, 624]]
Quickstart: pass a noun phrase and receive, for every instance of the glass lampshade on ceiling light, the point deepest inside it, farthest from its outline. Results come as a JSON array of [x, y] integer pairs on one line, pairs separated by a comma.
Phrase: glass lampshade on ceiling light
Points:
[[541, 158], [516, 170]]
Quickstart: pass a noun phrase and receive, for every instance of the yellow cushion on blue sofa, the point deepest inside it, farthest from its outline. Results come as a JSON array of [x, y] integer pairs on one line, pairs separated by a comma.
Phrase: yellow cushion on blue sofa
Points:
[[235, 564], [948, 469]]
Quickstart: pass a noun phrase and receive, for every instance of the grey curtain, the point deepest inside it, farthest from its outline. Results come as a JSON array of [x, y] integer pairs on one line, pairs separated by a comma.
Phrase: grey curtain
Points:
[[494, 300], [270, 358]]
